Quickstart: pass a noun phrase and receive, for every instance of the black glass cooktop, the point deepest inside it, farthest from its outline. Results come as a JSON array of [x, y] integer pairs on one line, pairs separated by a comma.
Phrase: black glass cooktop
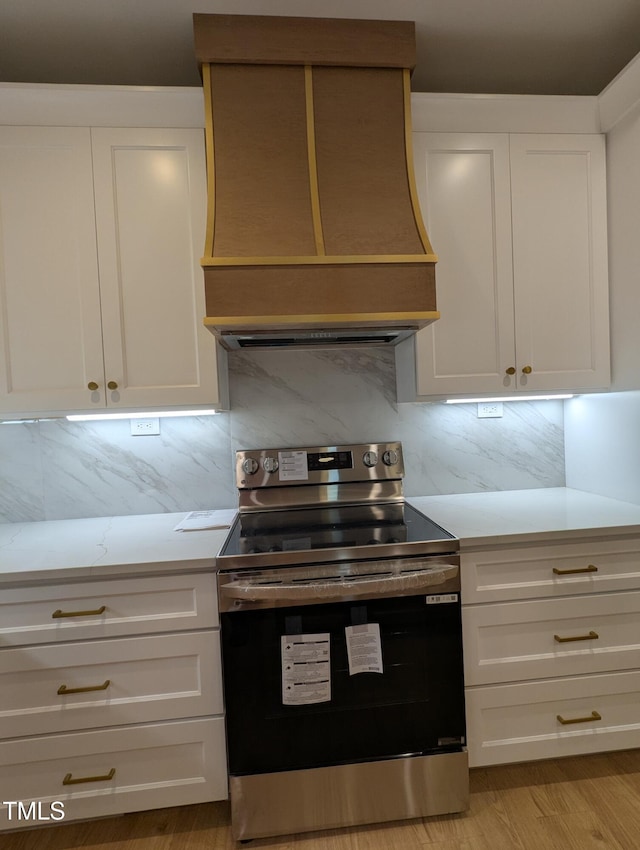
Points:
[[337, 527]]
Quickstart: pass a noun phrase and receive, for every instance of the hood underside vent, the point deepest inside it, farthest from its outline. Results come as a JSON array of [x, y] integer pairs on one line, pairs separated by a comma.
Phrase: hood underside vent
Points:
[[313, 220]]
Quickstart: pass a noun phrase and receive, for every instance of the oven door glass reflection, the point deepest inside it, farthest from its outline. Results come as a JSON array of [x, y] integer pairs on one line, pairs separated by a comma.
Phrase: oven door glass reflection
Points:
[[415, 705]]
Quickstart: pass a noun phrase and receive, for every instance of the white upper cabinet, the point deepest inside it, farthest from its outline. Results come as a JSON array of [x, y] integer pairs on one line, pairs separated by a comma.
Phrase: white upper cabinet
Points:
[[519, 226], [50, 330], [559, 204], [150, 189], [101, 287]]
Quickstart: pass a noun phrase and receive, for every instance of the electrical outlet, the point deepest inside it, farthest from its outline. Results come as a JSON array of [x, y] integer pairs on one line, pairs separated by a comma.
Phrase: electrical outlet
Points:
[[489, 409], [144, 427]]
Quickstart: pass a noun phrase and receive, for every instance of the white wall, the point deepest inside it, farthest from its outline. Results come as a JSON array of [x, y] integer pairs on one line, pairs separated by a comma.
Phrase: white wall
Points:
[[602, 445], [602, 432]]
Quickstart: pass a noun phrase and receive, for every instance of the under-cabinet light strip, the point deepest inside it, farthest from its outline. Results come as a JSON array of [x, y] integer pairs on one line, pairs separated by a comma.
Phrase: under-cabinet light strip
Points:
[[85, 417], [508, 398]]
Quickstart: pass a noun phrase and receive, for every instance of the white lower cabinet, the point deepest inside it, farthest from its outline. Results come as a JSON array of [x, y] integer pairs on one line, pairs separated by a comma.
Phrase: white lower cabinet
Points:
[[116, 770], [111, 696], [558, 717], [552, 649]]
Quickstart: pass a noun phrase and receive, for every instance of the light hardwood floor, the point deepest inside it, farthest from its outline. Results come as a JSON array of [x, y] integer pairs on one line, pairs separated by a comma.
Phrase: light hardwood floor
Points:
[[568, 804]]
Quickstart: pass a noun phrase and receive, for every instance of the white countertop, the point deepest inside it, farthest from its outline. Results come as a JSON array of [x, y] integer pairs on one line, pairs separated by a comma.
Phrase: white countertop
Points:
[[521, 516], [103, 547], [115, 546]]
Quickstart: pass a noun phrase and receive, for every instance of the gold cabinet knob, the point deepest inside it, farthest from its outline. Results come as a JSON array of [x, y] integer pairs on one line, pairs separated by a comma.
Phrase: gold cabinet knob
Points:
[[526, 370], [511, 370], [112, 385], [92, 386]]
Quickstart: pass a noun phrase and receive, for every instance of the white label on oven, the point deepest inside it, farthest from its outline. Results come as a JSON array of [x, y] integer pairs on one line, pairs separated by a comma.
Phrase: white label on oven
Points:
[[364, 648], [440, 598], [292, 466], [306, 669]]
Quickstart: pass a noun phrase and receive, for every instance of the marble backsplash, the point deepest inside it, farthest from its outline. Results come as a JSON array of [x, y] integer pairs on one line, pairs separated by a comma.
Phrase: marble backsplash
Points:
[[58, 469]]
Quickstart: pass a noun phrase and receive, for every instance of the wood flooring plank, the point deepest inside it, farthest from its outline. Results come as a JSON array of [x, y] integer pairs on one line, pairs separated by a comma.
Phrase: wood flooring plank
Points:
[[537, 789], [579, 831]]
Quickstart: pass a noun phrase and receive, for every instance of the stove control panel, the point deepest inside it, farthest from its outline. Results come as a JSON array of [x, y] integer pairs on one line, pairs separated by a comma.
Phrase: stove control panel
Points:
[[318, 465]]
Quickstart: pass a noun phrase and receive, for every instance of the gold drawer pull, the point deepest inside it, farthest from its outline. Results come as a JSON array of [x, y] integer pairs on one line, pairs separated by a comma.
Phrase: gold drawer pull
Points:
[[57, 614], [69, 780], [591, 636], [593, 716], [63, 689], [590, 569]]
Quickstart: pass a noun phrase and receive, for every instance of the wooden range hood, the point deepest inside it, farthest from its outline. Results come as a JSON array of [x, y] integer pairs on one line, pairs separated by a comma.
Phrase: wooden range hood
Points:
[[314, 233]]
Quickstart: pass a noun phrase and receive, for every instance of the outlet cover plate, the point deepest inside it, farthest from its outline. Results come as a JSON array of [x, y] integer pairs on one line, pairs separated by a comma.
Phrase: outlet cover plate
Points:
[[489, 409], [145, 427]]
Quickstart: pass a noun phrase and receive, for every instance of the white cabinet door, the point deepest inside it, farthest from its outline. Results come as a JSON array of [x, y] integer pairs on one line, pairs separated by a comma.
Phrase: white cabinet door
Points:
[[115, 770], [519, 226], [50, 332], [150, 188], [560, 261], [463, 184]]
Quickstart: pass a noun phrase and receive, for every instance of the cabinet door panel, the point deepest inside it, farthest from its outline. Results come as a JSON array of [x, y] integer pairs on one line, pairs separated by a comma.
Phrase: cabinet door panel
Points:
[[50, 333], [106, 609], [513, 641], [154, 765], [550, 571], [463, 182], [560, 261], [110, 682], [150, 206], [509, 723]]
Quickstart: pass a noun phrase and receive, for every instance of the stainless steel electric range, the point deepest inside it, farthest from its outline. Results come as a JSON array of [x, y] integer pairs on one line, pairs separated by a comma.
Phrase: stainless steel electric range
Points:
[[342, 645]]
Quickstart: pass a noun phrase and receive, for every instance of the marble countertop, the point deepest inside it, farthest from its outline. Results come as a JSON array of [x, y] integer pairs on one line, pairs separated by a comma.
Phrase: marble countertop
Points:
[[521, 516], [115, 546], [105, 547]]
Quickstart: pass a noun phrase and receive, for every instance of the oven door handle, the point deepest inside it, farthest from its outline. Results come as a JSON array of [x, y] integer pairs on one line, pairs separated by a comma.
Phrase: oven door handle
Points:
[[402, 584]]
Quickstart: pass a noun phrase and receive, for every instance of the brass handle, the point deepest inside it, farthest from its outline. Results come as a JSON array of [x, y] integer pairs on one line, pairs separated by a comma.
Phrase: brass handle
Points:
[[63, 689], [92, 386], [590, 636], [112, 385], [590, 569], [69, 780], [511, 370], [58, 614], [593, 716], [527, 370]]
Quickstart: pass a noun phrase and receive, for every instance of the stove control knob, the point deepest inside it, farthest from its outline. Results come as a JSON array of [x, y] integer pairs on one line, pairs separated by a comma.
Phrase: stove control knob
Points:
[[370, 458], [249, 466], [390, 457], [270, 464]]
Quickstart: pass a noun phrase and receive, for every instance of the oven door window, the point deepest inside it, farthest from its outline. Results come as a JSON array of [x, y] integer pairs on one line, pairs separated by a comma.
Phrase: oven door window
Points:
[[415, 706]]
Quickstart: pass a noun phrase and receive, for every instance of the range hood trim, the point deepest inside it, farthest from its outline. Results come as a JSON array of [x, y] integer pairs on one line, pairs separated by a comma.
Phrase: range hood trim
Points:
[[321, 259], [328, 320]]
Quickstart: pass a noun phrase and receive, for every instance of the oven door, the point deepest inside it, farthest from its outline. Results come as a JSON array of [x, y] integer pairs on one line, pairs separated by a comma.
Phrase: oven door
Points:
[[348, 665]]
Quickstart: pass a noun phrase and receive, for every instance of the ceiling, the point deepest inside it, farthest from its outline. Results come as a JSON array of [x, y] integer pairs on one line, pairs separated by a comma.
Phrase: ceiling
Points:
[[491, 46]]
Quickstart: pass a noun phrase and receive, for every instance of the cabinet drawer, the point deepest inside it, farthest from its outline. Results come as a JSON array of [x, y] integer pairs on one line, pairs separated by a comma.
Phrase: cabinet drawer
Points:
[[558, 570], [508, 723], [117, 682], [149, 766], [552, 637], [66, 612]]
